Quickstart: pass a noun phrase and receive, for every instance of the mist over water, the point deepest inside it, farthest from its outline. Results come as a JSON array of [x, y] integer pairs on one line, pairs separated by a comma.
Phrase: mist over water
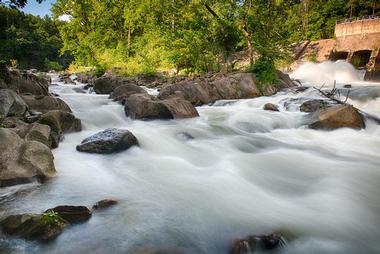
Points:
[[327, 72], [196, 185]]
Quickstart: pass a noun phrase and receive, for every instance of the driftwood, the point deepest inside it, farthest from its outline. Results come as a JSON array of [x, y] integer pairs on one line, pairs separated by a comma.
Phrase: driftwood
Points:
[[331, 95]]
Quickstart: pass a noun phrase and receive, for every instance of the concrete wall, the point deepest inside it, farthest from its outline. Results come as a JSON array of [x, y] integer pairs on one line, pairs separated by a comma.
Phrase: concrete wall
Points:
[[358, 27]]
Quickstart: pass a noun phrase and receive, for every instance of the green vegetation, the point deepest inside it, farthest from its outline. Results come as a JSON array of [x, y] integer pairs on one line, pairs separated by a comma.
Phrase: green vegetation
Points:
[[171, 36], [27, 41], [51, 218]]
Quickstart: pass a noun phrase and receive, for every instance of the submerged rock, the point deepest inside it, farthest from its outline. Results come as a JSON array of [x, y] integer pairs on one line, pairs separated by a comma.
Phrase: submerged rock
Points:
[[340, 116], [258, 244], [40, 227], [23, 161], [108, 141], [270, 107], [72, 214], [105, 203]]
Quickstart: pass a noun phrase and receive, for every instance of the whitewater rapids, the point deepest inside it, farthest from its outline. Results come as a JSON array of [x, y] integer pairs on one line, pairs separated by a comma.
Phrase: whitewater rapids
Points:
[[196, 185]]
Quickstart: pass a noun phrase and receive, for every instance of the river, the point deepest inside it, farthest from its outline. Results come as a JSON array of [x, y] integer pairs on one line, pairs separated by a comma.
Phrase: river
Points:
[[196, 185]]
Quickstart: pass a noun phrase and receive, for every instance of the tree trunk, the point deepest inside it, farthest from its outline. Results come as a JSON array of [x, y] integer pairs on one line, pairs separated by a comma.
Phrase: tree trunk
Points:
[[129, 39], [248, 38]]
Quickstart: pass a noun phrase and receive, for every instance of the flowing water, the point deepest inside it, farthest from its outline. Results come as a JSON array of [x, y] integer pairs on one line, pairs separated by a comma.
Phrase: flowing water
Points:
[[196, 185]]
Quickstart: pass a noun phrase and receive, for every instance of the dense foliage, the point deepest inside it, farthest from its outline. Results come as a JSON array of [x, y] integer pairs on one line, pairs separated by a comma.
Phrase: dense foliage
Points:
[[194, 35], [28, 41], [188, 36]]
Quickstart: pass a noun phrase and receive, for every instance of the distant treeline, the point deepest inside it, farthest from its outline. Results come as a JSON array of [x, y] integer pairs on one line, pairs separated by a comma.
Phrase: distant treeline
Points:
[[196, 35], [27, 41]]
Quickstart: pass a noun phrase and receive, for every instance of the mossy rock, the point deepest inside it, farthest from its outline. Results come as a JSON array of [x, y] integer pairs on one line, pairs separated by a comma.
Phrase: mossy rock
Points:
[[41, 227]]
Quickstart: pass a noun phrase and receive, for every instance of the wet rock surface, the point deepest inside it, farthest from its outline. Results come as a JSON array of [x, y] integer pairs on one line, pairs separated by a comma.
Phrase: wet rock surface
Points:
[[41, 227], [340, 116], [271, 107], [259, 244], [146, 107], [108, 141], [105, 203], [72, 214]]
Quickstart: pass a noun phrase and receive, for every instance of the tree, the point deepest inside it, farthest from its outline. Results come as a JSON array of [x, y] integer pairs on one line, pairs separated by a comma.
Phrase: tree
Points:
[[17, 3]]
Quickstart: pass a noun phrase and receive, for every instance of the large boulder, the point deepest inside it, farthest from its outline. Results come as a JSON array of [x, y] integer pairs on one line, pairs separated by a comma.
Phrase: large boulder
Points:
[[258, 244], [122, 92], [180, 108], [194, 91], [23, 161], [208, 89], [234, 86], [41, 103], [340, 116], [108, 141], [144, 106], [41, 227], [35, 132], [60, 122], [11, 104], [107, 83], [72, 214], [28, 83]]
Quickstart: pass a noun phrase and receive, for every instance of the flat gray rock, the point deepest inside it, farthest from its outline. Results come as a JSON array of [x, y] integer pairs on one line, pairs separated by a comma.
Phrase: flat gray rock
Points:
[[108, 141]]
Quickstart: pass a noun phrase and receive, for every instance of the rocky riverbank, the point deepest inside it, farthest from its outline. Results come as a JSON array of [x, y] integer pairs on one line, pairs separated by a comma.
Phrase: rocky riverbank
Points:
[[33, 121], [33, 124]]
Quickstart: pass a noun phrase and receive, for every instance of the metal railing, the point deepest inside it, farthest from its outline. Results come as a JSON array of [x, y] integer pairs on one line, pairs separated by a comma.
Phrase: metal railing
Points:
[[350, 20]]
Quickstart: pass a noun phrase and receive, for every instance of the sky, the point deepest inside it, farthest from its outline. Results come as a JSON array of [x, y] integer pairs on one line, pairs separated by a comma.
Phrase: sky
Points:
[[38, 9]]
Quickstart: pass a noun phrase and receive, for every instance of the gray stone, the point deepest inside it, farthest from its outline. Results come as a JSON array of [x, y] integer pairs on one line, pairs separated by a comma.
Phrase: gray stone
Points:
[[108, 141], [23, 161], [11, 104]]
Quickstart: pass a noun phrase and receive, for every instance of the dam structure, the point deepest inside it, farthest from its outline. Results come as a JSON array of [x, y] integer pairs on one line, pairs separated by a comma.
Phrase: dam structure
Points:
[[357, 40]]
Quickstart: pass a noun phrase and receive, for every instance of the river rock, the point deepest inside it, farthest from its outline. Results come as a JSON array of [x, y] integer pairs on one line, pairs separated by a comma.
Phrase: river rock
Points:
[[60, 122], [11, 104], [41, 103], [105, 203], [108, 82], [86, 77], [108, 141], [124, 91], [40, 227], [314, 105], [207, 89], [28, 83], [258, 244], [23, 161], [340, 116], [144, 106], [271, 107], [35, 132], [195, 92], [72, 214]]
